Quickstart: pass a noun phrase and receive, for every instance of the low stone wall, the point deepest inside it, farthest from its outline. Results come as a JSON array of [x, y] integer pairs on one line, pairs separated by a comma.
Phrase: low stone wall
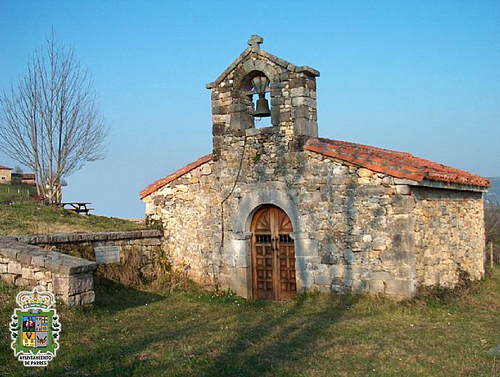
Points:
[[139, 252], [69, 278]]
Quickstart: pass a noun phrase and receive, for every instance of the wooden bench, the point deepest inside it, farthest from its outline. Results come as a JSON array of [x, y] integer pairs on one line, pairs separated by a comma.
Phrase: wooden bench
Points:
[[78, 207]]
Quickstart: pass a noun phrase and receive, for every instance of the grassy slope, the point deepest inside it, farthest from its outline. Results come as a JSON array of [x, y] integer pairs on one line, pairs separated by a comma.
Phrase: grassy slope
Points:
[[130, 332], [15, 193], [27, 217]]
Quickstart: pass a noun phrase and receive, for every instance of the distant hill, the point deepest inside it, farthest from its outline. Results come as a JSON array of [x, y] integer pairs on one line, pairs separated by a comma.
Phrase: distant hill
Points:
[[493, 195]]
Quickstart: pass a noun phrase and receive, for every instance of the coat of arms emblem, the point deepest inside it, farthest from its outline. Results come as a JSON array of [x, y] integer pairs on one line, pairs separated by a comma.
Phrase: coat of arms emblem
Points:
[[35, 328]]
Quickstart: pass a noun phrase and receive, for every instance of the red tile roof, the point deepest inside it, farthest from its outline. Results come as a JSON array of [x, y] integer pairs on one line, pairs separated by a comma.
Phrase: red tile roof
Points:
[[4, 168], [169, 178], [395, 164]]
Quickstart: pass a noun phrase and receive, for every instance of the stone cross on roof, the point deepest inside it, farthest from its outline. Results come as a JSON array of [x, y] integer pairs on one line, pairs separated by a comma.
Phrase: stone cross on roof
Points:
[[255, 41]]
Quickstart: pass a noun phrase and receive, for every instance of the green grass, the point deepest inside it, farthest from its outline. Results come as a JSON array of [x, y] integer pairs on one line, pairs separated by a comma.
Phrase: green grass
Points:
[[16, 193], [25, 216], [150, 333], [32, 218]]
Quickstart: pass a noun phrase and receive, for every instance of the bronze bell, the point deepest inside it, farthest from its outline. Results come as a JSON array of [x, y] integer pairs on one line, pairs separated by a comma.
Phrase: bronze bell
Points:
[[262, 108]]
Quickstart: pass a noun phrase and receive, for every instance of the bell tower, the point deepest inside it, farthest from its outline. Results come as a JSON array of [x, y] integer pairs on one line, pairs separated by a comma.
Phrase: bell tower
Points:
[[259, 84]]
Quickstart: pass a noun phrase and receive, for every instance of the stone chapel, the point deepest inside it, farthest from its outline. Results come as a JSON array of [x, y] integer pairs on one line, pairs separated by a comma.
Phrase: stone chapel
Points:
[[277, 210]]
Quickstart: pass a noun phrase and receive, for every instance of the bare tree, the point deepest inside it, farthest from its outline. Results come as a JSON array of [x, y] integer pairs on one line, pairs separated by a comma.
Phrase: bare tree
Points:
[[50, 121]]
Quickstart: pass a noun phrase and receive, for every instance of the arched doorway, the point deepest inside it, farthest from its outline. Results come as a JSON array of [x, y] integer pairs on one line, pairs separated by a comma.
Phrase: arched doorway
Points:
[[273, 255]]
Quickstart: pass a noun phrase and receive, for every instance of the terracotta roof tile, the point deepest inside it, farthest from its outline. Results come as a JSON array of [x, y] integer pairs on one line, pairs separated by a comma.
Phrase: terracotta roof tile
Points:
[[393, 163], [171, 177], [4, 168]]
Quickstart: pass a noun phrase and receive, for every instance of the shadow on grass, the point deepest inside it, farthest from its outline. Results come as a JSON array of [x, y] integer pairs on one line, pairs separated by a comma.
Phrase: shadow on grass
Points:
[[114, 297], [274, 347], [265, 338]]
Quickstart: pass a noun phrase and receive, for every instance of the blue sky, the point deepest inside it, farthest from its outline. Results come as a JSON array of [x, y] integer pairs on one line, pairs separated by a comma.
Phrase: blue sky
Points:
[[415, 76]]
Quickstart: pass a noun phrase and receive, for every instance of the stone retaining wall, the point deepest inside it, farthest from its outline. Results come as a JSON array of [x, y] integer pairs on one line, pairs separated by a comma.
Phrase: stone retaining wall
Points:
[[139, 254], [65, 263], [69, 278]]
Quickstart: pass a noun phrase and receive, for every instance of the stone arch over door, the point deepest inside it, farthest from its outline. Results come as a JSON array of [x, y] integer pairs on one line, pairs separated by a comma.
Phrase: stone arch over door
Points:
[[238, 249]]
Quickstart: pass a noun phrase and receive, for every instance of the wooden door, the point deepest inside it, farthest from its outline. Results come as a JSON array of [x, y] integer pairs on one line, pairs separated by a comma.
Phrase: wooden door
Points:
[[273, 255]]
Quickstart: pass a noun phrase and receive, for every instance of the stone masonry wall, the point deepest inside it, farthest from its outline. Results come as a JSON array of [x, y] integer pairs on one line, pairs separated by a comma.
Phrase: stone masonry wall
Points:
[[189, 211], [360, 231], [449, 235], [69, 278], [356, 225], [355, 232], [140, 251]]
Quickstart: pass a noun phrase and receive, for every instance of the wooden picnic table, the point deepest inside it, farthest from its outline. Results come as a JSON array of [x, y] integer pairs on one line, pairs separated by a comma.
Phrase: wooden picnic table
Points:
[[78, 207]]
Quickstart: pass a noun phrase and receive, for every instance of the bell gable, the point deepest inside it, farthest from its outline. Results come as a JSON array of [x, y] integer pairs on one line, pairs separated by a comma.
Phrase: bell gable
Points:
[[259, 84]]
